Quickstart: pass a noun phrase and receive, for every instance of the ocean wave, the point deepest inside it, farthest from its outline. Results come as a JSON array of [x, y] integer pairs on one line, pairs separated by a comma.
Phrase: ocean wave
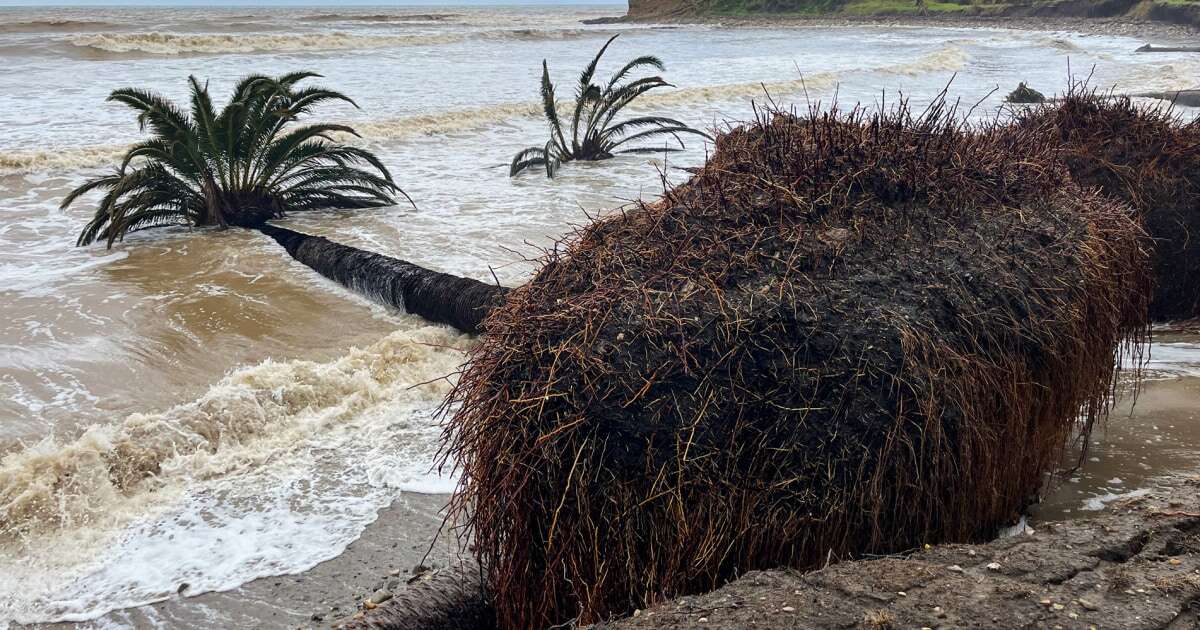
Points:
[[736, 91], [406, 127], [948, 58], [66, 159], [552, 34], [53, 26], [379, 17], [300, 451], [1059, 44], [244, 419], [1177, 75], [179, 44]]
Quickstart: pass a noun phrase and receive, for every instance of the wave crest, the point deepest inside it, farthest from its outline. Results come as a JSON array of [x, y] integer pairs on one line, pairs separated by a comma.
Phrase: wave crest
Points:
[[108, 475], [53, 26], [949, 58], [379, 17], [177, 44]]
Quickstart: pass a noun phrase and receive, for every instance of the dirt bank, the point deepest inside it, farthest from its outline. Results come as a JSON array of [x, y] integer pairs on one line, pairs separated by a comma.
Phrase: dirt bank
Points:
[[1135, 567]]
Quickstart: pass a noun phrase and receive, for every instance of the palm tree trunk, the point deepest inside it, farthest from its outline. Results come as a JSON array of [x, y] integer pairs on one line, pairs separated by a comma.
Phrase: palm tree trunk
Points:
[[439, 297], [448, 599]]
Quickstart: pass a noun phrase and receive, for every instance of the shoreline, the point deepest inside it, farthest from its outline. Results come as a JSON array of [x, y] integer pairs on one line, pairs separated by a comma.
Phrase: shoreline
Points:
[[384, 556]]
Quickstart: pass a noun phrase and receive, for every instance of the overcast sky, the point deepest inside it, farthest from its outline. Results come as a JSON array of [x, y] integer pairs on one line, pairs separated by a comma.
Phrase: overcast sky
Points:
[[285, 3]]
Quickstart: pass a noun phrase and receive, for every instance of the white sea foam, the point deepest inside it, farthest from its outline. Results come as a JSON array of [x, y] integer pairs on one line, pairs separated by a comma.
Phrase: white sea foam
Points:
[[1171, 360], [277, 467], [1100, 502]]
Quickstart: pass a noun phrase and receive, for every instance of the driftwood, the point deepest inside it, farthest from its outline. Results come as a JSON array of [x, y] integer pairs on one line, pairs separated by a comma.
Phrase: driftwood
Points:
[[1153, 49], [1187, 98]]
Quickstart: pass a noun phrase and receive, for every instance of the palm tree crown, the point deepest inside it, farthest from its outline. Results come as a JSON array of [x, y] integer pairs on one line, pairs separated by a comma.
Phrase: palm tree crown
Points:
[[593, 134], [241, 166]]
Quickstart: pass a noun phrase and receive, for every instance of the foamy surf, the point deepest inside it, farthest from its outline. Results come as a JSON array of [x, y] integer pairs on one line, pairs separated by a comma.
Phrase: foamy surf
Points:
[[180, 44], [1171, 360], [277, 467]]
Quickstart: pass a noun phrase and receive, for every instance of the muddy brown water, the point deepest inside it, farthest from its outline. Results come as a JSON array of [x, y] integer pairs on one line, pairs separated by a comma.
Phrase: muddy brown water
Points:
[[1153, 435]]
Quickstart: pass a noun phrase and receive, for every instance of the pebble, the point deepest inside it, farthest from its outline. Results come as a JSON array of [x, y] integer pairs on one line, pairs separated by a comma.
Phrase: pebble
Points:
[[1175, 562], [902, 593], [956, 568], [788, 609], [993, 566], [1087, 605], [1057, 606], [380, 596], [703, 620]]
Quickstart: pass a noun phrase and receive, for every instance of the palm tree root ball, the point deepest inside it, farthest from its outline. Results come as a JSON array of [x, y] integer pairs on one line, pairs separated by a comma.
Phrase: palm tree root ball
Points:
[[848, 333], [1148, 157]]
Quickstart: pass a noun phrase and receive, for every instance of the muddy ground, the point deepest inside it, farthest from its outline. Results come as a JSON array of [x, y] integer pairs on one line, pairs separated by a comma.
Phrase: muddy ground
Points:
[[1136, 567]]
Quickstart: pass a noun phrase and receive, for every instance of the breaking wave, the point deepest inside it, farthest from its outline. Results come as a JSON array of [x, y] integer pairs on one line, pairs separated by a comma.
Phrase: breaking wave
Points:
[[16, 162], [349, 433], [245, 418], [948, 58], [533, 34], [178, 44], [53, 26], [380, 17]]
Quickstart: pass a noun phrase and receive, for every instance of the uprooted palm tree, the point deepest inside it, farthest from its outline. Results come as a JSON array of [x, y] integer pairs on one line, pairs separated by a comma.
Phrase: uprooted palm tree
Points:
[[593, 133], [249, 163]]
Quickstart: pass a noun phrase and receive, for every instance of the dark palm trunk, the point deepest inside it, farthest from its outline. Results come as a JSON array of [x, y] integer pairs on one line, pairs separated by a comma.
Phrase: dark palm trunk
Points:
[[450, 599], [438, 297]]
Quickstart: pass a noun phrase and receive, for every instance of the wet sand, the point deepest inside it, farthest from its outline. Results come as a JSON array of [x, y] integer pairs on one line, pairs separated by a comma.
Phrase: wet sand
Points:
[[1156, 435], [385, 555]]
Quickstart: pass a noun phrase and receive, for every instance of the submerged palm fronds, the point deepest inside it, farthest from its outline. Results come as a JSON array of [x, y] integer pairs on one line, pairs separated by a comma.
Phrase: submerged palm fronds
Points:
[[594, 132], [1146, 156], [847, 334], [240, 166]]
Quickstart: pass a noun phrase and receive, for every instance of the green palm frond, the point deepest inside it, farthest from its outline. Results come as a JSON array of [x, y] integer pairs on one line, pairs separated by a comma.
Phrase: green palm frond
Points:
[[241, 165], [594, 135]]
